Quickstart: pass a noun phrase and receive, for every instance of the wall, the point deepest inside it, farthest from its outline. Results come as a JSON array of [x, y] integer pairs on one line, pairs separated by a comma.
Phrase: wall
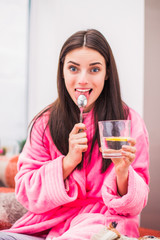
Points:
[[122, 23], [151, 214], [13, 73]]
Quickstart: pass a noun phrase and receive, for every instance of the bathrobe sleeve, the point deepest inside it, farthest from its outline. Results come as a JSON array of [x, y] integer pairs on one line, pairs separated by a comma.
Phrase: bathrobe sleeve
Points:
[[39, 182], [135, 200]]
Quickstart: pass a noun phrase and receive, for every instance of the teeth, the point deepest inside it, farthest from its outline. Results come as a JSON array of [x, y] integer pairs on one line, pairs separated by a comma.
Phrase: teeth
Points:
[[83, 90]]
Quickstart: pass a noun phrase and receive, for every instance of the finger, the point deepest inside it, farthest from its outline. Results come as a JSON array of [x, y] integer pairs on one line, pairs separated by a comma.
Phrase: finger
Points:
[[82, 141], [79, 135], [131, 157], [127, 161], [128, 156], [82, 148], [75, 141], [132, 141], [129, 148], [133, 150], [77, 127]]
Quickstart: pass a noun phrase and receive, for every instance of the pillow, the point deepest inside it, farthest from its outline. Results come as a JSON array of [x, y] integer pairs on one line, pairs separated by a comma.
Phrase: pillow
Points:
[[10, 210], [11, 171], [8, 170]]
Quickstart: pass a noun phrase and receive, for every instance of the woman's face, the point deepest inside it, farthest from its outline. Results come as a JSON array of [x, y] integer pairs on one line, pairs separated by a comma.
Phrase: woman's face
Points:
[[84, 73]]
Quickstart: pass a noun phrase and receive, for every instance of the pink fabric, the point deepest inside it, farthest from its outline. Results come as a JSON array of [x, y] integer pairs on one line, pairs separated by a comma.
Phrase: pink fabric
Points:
[[87, 200]]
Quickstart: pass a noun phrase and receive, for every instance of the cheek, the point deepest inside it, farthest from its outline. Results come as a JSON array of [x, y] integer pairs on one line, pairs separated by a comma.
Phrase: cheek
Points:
[[69, 86], [68, 83], [100, 84], [99, 88]]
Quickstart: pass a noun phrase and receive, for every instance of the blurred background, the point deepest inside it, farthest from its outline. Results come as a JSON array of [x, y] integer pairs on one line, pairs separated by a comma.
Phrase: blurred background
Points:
[[32, 33]]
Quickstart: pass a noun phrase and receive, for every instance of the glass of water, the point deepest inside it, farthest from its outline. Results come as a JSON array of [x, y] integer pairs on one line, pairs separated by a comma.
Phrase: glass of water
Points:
[[113, 135]]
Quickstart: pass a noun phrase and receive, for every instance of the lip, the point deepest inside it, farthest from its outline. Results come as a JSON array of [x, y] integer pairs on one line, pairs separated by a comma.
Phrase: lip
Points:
[[84, 91]]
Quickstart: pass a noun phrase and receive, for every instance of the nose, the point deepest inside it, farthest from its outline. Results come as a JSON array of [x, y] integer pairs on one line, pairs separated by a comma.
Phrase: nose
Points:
[[83, 78]]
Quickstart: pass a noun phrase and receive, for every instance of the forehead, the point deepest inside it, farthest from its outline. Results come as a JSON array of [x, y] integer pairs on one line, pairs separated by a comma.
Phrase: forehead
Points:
[[84, 54]]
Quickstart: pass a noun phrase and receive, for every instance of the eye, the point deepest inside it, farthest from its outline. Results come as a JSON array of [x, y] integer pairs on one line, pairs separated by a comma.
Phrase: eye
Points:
[[95, 69], [73, 68]]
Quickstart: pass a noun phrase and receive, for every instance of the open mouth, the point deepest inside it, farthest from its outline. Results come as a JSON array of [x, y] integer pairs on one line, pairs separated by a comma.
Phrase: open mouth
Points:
[[85, 92]]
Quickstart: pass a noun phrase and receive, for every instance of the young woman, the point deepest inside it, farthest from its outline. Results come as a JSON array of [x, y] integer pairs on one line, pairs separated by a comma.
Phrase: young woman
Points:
[[70, 191]]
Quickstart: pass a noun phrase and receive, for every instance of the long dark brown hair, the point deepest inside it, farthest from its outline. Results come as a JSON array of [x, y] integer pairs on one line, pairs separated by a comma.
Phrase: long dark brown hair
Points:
[[64, 113]]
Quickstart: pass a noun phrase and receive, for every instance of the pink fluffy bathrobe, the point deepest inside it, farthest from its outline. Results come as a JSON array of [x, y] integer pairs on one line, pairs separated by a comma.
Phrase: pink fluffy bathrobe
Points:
[[87, 200]]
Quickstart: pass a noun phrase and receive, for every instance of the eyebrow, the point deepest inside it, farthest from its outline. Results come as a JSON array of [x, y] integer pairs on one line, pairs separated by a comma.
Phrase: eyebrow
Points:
[[91, 64], [74, 63], [95, 63]]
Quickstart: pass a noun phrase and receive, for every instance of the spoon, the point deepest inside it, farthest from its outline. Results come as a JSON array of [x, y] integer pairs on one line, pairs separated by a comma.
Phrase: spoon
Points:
[[82, 102]]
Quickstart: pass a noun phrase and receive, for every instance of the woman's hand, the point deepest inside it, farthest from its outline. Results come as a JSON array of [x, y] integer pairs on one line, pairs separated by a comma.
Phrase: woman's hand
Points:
[[77, 145], [128, 156], [122, 165]]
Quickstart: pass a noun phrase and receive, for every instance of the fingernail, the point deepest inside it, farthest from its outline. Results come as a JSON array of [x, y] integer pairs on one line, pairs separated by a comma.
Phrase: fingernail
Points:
[[125, 147], [123, 152]]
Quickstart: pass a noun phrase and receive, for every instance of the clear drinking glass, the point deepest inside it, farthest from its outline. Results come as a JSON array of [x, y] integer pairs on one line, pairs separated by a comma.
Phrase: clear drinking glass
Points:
[[113, 135]]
